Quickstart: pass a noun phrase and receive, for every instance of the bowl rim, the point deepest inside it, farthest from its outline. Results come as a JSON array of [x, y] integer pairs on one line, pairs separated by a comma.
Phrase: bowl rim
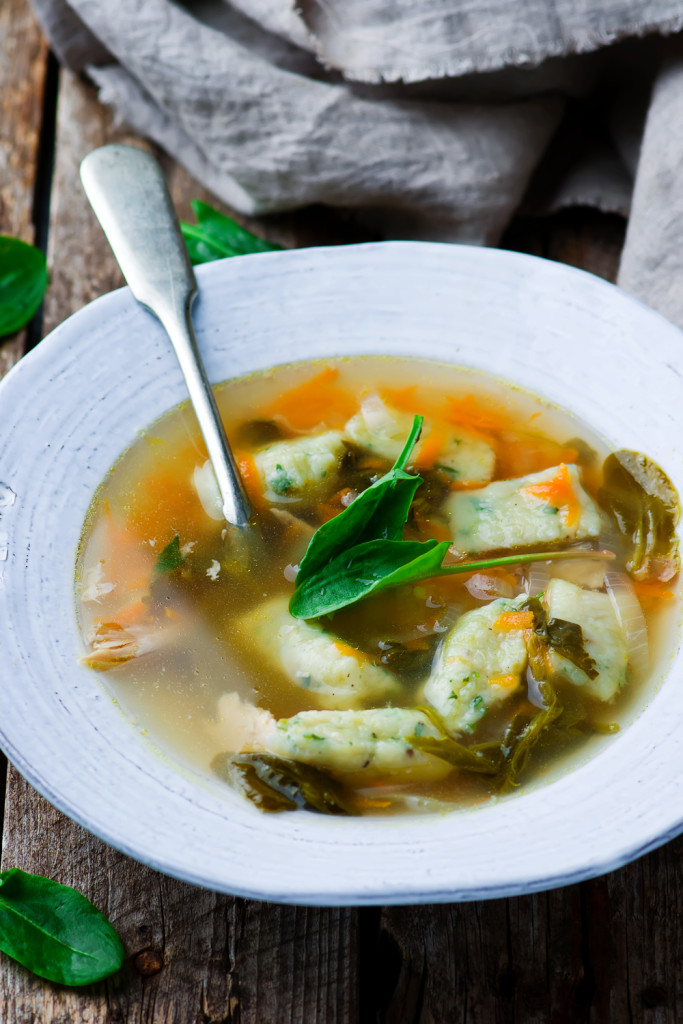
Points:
[[576, 290]]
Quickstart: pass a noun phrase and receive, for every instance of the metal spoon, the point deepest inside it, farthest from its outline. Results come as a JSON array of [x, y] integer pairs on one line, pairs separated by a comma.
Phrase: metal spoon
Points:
[[127, 191]]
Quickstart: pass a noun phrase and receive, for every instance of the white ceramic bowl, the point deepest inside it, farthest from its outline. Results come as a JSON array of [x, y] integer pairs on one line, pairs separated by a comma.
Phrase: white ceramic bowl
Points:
[[70, 408]]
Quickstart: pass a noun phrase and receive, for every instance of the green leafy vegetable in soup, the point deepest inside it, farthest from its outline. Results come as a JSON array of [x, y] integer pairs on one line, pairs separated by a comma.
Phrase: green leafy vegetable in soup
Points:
[[441, 598], [645, 506]]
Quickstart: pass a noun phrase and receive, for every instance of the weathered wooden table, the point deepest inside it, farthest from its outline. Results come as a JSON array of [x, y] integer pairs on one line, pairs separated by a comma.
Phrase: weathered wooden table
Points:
[[603, 951]]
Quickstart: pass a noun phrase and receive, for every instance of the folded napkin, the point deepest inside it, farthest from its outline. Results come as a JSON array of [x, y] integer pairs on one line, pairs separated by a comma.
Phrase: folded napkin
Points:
[[430, 119]]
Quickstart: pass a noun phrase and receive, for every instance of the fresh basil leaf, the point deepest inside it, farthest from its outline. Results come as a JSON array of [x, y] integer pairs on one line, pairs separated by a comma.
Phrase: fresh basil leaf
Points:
[[54, 931], [23, 280], [360, 551], [559, 635], [380, 565], [216, 236], [171, 557], [644, 504], [365, 569], [275, 784], [380, 511]]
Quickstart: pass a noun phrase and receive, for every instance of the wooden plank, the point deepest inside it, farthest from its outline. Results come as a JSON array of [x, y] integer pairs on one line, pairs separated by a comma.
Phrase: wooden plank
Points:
[[607, 950], [82, 265], [193, 955], [23, 63]]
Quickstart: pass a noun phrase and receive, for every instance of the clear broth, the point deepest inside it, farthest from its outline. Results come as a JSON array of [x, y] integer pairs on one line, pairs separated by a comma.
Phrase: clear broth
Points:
[[200, 652]]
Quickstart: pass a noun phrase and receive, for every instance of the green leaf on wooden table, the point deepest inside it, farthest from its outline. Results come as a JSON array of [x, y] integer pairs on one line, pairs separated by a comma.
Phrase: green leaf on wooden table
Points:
[[216, 236], [645, 507], [171, 557], [379, 512], [23, 280], [54, 931]]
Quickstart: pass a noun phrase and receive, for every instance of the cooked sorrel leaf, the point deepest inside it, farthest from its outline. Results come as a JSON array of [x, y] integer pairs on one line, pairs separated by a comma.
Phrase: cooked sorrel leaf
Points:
[[644, 504], [431, 494], [586, 454], [54, 931], [522, 735], [506, 760], [409, 662], [469, 759], [171, 557], [565, 638], [274, 784], [216, 236], [256, 433], [23, 280]]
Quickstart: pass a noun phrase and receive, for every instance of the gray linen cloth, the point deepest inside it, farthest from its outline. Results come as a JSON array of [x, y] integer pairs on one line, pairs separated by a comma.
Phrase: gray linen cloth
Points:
[[429, 117]]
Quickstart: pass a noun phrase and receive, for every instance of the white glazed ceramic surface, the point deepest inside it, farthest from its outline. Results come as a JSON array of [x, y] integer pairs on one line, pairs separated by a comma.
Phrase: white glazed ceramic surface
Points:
[[72, 406]]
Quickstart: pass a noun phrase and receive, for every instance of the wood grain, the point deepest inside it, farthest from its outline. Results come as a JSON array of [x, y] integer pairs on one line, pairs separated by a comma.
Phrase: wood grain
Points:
[[82, 265], [193, 955], [23, 63]]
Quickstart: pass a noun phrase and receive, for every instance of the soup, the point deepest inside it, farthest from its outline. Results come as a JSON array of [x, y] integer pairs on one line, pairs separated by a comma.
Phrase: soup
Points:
[[450, 588]]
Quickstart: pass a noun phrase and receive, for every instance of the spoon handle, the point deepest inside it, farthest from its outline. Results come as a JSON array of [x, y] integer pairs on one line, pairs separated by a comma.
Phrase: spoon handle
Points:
[[127, 191]]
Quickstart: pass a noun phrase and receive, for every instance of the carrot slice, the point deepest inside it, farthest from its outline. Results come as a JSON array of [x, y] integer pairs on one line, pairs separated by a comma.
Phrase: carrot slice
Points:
[[318, 400], [508, 681], [404, 399], [348, 651], [471, 411], [559, 493], [649, 592], [433, 444], [509, 621], [132, 614], [250, 477]]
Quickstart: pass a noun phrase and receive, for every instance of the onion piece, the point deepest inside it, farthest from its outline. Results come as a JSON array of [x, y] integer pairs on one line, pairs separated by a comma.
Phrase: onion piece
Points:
[[538, 578], [485, 587], [587, 573], [204, 481], [631, 619]]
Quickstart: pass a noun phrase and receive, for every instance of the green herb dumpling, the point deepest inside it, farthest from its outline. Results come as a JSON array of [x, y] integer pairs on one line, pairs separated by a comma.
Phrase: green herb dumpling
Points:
[[603, 638], [479, 666], [372, 742], [541, 508], [458, 453], [335, 674], [301, 467]]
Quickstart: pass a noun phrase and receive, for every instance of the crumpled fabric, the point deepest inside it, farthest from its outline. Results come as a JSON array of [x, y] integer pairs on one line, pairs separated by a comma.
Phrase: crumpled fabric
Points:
[[436, 119]]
